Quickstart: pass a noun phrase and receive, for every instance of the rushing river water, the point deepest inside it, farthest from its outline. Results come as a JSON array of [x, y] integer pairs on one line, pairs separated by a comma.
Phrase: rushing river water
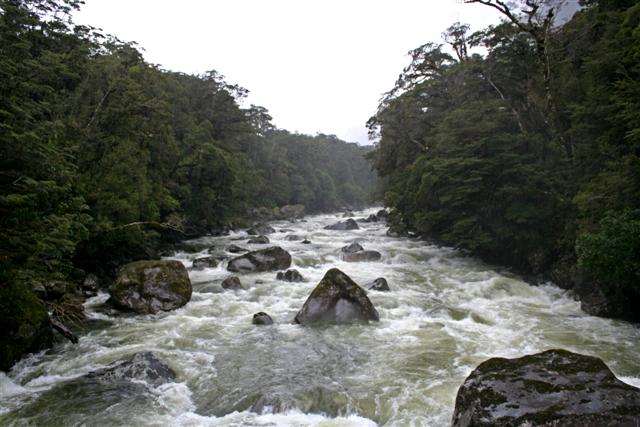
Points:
[[444, 315]]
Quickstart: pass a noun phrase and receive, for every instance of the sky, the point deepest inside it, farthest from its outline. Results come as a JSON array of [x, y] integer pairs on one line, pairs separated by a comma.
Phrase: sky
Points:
[[318, 66]]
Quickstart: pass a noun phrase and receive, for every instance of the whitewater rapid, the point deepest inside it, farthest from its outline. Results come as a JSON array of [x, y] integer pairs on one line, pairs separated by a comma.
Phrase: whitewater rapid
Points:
[[444, 315]]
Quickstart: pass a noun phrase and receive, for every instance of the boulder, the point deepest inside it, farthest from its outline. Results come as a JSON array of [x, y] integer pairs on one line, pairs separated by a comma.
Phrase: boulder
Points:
[[292, 238], [262, 318], [352, 248], [382, 215], [232, 282], [370, 218], [349, 224], [151, 286], [205, 262], [259, 240], [361, 256], [552, 388], [235, 249], [24, 323], [380, 284], [306, 242], [336, 299], [269, 259], [260, 229], [290, 276], [144, 366]]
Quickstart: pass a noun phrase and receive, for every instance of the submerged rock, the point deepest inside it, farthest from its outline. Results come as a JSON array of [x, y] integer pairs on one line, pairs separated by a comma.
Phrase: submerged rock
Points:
[[234, 249], [552, 388], [292, 238], [336, 298], [349, 224], [380, 284], [259, 240], [362, 256], [24, 322], [151, 286], [232, 282], [269, 259], [290, 276], [205, 262], [306, 242], [144, 366], [260, 229], [262, 318]]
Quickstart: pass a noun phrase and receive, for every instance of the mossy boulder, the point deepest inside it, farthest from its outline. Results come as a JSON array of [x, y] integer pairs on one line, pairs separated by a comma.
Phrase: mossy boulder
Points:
[[552, 388], [269, 259], [151, 286], [349, 224], [24, 322], [337, 299]]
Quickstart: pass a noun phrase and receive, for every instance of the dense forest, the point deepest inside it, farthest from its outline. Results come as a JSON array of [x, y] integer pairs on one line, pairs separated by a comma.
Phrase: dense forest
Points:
[[104, 155], [526, 154]]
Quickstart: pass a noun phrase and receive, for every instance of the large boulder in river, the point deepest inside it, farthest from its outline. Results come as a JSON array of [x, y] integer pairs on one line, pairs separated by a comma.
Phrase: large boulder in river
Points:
[[269, 259], [552, 388], [260, 229], [24, 323], [151, 286], [337, 299], [349, 224]]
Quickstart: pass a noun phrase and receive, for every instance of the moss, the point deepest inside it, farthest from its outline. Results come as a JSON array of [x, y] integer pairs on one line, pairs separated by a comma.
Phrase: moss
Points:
[[24, 323]]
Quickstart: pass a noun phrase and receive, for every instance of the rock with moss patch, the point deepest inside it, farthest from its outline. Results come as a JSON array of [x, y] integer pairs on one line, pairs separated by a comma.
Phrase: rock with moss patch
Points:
[[24, 323], [269, 259], [151, 286], [349, 224], [337, 299], [552, 388]]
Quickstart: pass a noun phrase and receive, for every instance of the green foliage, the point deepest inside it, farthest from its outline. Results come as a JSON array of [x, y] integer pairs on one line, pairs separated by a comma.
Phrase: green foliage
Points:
[[612, 253]]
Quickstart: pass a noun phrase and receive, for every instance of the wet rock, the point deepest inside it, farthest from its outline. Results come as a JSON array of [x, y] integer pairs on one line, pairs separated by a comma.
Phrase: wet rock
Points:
[[316, 399], [232, 282], [259, 240], [269, 259], [382, 215], [292, 238], [336, 298], [306, 242], [262, 318], [260, 229], [290, 276], [361, 256], [552, 388], [205, 262], [370, 218], [290, 212], [24, 323], [151, 286], [349, 224], [235, 249], [352, 248], [144, 366], [380, 284]]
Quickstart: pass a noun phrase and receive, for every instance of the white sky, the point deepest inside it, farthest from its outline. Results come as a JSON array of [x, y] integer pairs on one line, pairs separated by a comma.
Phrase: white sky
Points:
[[316, 65]]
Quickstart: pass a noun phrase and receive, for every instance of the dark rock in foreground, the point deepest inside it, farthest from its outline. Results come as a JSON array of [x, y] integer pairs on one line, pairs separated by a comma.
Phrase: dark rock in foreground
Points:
[[144, 366], [380, 284], [24, 323], [290, 276], [269, 259], [232, 283], [260, 229], [336, 299], [205, 262], [151, 286], [349, 224], [262, 318], [552, 388]]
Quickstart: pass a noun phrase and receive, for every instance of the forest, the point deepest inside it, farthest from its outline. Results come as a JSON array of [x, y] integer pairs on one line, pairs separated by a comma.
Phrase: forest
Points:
[[528, 153], [104, 157]]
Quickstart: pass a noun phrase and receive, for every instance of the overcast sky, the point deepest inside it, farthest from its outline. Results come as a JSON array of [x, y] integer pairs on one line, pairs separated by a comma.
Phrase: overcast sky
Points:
[[316, 65]]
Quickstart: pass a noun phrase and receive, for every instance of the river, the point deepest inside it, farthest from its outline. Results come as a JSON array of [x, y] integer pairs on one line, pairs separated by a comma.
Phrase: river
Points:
[[444, 315]]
